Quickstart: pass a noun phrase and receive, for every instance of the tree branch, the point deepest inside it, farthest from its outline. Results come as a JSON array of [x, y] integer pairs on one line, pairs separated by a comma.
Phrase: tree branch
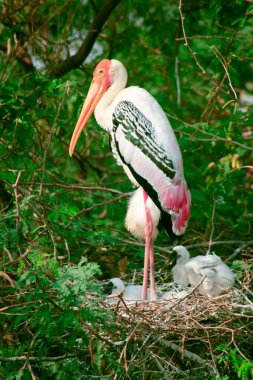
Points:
[[93, 31], [36, 358]]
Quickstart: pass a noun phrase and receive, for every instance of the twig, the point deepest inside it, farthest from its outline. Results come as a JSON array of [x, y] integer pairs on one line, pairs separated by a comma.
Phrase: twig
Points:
[[9, 217], [52, 131], [238, 349], [8, 254], [127, 340], [73, 187], [224, 64], [16, 305], [189, 246], [216, 137], [212, 230], [237, 251], [189, 355], [241, 167], [31, 372], [207, 37], [36, 358], [166, 375], [193, 53], [47, 228], [67, 249], [214, 367], [18, 218], [248, 290], [177, 81], [15, 188], [8, 278], [26, 253], [101, 204], [220, 242]]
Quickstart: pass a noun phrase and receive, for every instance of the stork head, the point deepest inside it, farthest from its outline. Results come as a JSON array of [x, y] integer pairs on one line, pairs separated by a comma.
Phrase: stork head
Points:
[[106, 73], [117, 285], [182, 254], [100, 83]]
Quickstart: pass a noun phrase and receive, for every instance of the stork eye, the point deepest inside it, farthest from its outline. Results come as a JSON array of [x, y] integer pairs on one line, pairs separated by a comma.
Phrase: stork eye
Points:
[[101, 71]]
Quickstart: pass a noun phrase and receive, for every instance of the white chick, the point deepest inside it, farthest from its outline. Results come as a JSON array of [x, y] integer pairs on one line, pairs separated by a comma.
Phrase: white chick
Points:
[[130, 292], [216, 275]]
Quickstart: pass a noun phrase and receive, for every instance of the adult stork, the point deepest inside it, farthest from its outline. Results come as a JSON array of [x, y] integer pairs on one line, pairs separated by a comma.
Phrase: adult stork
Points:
[[143, 142]]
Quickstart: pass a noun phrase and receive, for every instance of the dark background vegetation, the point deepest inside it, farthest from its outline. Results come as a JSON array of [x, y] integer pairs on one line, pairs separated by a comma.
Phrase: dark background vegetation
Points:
[[196, 58]]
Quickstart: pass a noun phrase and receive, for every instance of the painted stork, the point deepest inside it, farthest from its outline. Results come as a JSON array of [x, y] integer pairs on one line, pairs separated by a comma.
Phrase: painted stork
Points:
[[209, 272], [143, 143]]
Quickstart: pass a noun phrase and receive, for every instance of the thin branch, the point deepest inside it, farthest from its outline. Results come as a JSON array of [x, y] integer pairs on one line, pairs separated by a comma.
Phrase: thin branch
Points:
[[193, 53], [50, 232], [9, 217], [185, 353], [241, 167], [50, 136], [207, 37], [177, 81], [36, 358], [216, 137], [220, 242], [16, 305], [190, 246], [8, 254], [73, 187], [237, 251], [212, 224], [67, 249], [101, 204], [31, 372], [24, 255], [224, 64], [8, 278], [18, 219]]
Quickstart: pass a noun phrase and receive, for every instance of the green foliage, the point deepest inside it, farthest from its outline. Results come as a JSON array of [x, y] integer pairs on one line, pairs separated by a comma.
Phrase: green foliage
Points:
[[242, 267], [56, 210], [55, 317], [240, 366]]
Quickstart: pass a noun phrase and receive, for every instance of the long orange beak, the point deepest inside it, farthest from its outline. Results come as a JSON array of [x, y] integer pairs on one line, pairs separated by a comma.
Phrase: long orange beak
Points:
[[96, 91]]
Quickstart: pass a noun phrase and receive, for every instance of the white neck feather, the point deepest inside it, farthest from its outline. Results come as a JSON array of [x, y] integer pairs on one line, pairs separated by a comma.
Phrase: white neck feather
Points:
[[118, 285], [104, 109], [183, 254]]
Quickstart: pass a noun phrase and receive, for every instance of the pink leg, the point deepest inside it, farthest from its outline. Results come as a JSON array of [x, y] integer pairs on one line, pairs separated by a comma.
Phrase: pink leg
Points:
[[152, 271], [149, 255], [145, 273]]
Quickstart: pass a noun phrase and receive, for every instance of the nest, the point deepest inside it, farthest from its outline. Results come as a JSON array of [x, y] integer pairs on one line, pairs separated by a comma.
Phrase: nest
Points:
[[183, 335], [187, 313]]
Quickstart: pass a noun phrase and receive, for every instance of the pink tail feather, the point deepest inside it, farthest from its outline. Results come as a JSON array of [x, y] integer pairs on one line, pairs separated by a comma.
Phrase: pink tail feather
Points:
[[177, 200]]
